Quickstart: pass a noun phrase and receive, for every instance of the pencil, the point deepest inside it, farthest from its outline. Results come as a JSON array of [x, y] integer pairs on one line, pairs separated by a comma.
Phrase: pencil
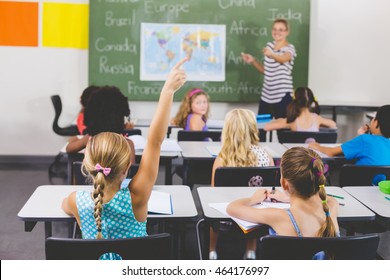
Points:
[[388, 198], [336, 196]]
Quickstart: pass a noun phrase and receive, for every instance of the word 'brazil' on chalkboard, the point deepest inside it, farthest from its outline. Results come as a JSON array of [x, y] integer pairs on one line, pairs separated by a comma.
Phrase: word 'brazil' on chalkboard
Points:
[[212, 32]]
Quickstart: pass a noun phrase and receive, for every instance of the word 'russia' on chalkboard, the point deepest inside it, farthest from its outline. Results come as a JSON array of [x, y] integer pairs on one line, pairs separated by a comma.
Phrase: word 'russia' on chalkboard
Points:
[[116, 45]]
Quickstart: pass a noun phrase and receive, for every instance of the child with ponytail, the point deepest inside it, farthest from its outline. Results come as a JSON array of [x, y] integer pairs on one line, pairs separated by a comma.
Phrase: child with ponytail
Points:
[[311, 214], [111, 211], [302, 114]]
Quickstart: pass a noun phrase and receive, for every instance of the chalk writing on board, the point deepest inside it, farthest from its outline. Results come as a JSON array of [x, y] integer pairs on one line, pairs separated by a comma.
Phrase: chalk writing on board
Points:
[[162, 45], [227, 4], [288, 14]]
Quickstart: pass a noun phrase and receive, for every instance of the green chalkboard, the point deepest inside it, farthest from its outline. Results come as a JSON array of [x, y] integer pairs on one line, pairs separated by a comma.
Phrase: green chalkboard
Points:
[[115, 42]]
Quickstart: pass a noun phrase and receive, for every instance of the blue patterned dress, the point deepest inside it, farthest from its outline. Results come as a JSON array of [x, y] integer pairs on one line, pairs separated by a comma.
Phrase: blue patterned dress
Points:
[[118, 220]]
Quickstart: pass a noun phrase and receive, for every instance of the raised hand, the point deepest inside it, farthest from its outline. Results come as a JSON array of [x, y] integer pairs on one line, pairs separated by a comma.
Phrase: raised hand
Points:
[[177, 77]]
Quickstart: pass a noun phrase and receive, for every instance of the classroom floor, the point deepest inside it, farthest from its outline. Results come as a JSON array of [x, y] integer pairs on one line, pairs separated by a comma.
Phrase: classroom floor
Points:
[[18, 182]]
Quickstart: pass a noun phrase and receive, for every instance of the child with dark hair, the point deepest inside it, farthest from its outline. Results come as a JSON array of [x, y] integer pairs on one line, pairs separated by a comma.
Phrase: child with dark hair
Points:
[[84, 100], [302, 114], [311, 214], [372, 148], [105, 112]]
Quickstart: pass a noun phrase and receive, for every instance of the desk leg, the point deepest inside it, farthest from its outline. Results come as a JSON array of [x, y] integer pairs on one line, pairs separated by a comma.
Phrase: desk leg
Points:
[[29, 226], [48, 231], [206, 241], [168, 172]]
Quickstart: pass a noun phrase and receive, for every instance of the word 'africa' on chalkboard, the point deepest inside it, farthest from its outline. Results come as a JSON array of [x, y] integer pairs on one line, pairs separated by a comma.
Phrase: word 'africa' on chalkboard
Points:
[[133, 44]]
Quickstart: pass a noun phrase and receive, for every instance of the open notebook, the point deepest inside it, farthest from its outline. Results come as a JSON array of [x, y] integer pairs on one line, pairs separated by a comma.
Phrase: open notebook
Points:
[[245, 225], [159, 202]]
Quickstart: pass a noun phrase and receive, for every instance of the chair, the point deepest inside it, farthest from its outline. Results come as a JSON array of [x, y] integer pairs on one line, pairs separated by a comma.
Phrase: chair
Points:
[[247, 176], [322, 136], [196, 171], [63, 131], [78, 177], [133, 131], [152, 247], [363, 175], [274, 247], [183, 135]]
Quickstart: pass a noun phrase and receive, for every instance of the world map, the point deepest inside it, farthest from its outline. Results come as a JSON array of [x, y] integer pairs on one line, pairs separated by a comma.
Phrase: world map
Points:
[[162, 45]]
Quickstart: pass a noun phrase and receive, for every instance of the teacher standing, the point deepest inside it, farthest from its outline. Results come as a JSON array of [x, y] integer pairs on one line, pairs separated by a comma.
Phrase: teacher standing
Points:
[[277, 69]]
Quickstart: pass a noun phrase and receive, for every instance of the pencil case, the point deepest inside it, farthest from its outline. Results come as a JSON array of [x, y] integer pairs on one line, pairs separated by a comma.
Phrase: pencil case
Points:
[[384, 186]]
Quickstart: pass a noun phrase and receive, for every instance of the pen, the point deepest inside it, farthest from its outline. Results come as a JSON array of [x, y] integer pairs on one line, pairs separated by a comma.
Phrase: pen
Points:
[[336, 196], [388, 198]]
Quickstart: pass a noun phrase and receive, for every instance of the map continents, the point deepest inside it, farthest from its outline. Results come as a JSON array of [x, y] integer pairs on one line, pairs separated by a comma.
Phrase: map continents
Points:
[[162, 45]]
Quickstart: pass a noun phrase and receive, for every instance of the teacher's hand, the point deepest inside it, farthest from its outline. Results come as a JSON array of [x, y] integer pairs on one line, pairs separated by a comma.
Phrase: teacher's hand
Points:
[[248, 58]]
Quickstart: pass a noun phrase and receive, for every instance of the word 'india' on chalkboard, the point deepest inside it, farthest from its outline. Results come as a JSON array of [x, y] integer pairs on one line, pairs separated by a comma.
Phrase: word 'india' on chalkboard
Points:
[[116, 43]]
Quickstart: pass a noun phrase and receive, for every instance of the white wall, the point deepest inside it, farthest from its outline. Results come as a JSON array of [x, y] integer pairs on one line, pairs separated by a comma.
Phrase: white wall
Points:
[[348, 54], [349, 46]]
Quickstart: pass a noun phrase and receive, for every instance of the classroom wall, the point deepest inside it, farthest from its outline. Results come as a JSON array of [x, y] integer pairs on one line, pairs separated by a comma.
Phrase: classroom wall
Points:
[[30, 75]]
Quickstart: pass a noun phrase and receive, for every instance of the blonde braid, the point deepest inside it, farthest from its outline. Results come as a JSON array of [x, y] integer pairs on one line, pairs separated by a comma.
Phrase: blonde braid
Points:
[[99, 184]]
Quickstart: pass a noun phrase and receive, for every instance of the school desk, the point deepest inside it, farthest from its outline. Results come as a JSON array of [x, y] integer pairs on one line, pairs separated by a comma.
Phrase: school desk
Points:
[[147, 122], [199, 150], [352, 210], [201, 154], [373, 198], [218, 124], [44, 205], [322, 155]]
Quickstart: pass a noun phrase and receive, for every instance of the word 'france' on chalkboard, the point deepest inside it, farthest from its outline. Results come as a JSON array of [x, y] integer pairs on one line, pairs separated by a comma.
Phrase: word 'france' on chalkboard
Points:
[[118, 54]]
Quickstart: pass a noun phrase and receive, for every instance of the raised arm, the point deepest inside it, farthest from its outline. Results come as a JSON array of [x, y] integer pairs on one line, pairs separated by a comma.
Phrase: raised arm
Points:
[[251, 60], [142, 183]]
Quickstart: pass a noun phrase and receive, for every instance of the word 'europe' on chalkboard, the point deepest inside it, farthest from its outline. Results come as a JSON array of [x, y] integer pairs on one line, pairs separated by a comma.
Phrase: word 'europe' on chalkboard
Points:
[[134, 43]]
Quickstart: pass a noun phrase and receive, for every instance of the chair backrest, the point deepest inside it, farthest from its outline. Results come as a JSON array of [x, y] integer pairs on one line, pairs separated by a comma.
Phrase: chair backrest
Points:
[[288, 136], [79, 179], [363, 175], [363, 247], [63, 131], [183, 135], [247, 176], [152, 247], [133, 131]]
